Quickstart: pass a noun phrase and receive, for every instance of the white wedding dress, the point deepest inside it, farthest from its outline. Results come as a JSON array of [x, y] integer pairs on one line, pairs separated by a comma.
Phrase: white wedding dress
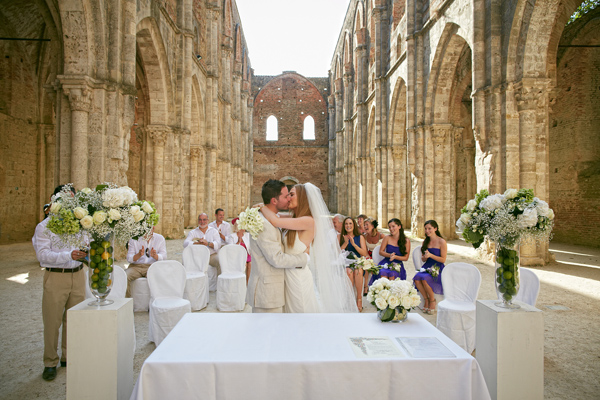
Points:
[[300, 294]]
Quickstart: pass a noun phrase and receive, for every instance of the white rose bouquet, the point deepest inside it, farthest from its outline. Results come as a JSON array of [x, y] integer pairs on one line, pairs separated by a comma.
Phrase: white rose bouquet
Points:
[[251, 221], [107, 209], [507, 217], [393, 267], [393, 298], [366, 264]]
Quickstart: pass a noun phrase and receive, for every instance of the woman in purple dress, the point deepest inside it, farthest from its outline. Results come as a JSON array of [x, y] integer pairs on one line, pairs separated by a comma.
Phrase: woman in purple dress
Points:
[[351, 240], [395, 248], [433, 251]]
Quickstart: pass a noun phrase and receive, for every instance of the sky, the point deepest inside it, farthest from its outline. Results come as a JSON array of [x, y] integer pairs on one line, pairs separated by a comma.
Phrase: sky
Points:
[[292, 35]]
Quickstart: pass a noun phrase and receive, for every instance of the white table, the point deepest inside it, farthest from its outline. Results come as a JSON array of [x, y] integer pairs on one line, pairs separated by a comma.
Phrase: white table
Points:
[[300, 356]]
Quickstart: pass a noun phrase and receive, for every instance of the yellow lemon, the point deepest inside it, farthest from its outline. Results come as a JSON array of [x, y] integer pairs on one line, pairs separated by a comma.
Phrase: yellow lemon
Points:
[[105, 255]]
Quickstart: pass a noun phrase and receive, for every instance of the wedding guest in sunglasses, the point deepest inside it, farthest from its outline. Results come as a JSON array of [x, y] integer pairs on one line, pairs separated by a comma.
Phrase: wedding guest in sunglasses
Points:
[[142, 253]]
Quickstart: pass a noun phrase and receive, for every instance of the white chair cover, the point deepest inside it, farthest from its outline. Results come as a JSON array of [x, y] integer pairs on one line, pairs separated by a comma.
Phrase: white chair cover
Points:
[[195, 261], [376, 256], [456, 314], [140, 292], [231, 284], [529, 287], [167, 283], [119, 287], [416, 258]]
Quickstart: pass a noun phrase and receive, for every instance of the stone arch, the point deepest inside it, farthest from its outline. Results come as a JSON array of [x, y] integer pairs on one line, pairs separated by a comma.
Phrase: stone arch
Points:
[[289, 180], [155, 69], [227, 19], [397, 189], [359, 18]]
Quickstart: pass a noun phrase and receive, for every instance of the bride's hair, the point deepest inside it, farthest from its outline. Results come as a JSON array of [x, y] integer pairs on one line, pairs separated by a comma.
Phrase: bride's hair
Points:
[[302, 210]]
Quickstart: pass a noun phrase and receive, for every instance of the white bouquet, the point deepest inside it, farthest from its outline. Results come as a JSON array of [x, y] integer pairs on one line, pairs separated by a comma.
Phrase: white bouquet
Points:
[[390, 296], [433, 271], [366, 264], [393, 267], [251, 221]]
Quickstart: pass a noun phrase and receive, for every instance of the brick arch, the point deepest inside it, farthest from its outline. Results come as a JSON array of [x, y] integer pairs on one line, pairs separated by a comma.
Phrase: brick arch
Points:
[[439, 86], [359, 16], [198, 114], [153, 65], [227, 19], [397, 131]]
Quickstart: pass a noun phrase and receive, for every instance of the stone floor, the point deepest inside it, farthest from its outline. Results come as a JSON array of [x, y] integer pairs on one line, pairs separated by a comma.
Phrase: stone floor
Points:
[[571, 346]]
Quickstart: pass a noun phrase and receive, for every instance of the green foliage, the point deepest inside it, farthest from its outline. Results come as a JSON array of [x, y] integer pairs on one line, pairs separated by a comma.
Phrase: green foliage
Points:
[[584, 8], [473, 237], [64, 223]]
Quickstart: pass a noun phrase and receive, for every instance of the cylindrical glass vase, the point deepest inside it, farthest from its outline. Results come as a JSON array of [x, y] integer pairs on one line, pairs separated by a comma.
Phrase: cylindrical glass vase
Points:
[[398, 314], [507, 274], [101, 269]]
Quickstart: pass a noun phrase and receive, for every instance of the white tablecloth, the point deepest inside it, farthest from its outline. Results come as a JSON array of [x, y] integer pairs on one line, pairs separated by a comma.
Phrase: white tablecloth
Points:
[[300, 356]]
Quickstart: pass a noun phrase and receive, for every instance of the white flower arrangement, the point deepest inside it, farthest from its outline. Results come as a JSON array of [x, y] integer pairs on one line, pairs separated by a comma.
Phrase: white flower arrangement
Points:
[[99, 212], [389, 295], [393, 266], [510, 217], [251, 221], [366, 264]]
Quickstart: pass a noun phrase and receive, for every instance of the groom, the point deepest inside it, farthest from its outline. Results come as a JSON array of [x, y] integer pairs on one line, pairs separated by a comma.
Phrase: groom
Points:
[[266, 282]]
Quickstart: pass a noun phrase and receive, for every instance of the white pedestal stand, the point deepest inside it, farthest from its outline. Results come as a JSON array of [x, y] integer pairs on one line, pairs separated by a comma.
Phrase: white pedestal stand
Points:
[[510, 350], [100, 351]]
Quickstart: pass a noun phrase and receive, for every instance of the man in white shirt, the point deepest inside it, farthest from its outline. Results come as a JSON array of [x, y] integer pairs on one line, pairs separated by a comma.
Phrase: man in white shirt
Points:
[[63, 288], [205, 235], [142, 253], [221, 226], [338, 221]]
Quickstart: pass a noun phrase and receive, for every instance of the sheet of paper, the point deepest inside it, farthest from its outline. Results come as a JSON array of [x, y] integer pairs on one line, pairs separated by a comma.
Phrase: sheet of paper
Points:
[[375, 347], [425, 347]]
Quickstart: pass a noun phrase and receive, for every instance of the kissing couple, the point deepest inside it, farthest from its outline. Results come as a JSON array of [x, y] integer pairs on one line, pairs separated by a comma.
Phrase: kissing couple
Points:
[[296, 268]]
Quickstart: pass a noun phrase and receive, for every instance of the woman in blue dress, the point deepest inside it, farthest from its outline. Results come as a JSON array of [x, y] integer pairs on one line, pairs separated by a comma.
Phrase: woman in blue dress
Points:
[[395, 248], [433, 251], [351, 240]]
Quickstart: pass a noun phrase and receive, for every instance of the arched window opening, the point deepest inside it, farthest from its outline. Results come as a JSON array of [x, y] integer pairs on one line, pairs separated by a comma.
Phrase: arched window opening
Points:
[[272, 133], [309, 128]]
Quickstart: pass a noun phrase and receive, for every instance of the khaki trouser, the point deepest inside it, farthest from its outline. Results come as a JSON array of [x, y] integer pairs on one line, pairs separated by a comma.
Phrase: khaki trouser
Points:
[[61, 292], [135, 271]]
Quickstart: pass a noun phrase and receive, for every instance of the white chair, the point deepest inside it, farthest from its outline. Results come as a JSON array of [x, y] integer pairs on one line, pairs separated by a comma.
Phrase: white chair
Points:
[[529, 287], [376, 256], [195, 261], [456, 313], [167, 283], [140, 292], [119, 286], [416, 258], [231, 284]]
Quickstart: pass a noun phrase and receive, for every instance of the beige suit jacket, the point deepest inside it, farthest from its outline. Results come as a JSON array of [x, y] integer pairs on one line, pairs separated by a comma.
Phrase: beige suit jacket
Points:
[[265, 285]]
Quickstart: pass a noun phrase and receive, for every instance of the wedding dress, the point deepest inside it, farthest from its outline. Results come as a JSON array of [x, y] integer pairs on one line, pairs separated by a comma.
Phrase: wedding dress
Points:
[[300, 294]]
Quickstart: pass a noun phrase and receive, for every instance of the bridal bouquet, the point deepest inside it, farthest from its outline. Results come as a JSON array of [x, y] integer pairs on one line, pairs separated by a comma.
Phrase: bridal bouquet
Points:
[[107, 209], [251, 221], [393, 298], [433, 271], [393, 266], [507, 217]]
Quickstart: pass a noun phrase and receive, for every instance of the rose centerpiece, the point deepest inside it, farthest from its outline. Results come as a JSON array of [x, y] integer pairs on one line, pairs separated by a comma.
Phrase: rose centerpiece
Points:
[[507, 219], [393, 299], [96, 221]]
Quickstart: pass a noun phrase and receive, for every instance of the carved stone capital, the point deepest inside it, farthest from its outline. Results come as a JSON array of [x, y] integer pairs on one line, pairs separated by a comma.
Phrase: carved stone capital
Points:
[[528, 97], [441, 132], [158, 134], [194, 152], [79, 97], [49, 134]]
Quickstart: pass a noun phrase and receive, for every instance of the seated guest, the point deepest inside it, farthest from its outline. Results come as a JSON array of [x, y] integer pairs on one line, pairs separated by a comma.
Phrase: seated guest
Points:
[[360, 220], [205, 235], [220, 225], [351, 240], [142, 253], [373, 238], [395, 248], [433, 251], [237, 237], [338, 221]]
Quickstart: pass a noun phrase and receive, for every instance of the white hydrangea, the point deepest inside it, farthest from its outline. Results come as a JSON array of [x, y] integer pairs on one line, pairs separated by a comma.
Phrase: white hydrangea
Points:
[[528, 219], [541, 206], [492, 202], [510, 194]]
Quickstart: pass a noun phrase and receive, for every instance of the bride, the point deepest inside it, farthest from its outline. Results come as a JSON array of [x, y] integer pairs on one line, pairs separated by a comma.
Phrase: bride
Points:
[[322, 286]]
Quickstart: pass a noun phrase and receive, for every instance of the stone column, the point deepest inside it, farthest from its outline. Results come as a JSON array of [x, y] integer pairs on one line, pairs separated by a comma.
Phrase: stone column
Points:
[[158, 134], [194, 163], [50, 160], [80, 103]]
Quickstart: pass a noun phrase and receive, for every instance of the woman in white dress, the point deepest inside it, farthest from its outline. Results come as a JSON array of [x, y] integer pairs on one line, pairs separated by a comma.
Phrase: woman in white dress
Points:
[[321, 286]]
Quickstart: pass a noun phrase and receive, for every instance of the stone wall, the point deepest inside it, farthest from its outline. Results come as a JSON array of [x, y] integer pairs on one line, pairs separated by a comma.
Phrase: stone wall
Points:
[[291, 98]]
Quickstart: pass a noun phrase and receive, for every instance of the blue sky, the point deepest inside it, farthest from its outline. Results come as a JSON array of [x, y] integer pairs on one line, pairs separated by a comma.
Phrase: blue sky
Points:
[[291, 35]]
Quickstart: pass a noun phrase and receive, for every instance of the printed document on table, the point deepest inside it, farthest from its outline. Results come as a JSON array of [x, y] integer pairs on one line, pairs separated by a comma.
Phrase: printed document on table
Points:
[[425, 347], [375, 347]]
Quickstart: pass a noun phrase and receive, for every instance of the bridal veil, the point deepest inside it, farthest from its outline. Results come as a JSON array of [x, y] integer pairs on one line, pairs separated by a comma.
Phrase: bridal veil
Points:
[[334, 290]]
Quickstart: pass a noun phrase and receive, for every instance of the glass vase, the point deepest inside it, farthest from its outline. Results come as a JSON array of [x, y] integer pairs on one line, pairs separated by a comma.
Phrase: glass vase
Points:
[[101, 269], [507, 274], [398, 314]]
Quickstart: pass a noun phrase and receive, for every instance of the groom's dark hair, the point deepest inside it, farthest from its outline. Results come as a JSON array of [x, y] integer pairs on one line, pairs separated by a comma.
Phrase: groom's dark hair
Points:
[[271, 189]]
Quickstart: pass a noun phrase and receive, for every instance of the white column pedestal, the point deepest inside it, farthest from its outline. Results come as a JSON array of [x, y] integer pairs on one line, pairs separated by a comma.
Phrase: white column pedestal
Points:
[[100, 351], [510, 350]]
